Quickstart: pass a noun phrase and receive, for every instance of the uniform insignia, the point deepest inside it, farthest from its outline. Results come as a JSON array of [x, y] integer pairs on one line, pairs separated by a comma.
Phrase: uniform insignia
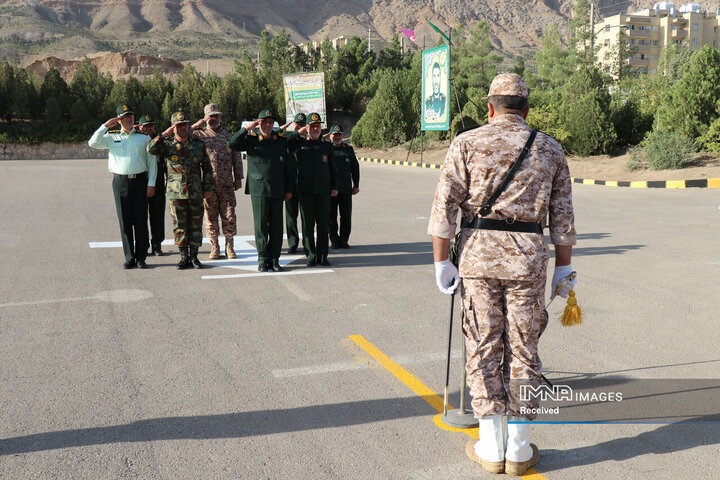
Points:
[[179, 147], [124, 108], [181, 116], [252, 134], [325, 159], [195, 159], [228, 149], [174, 158]]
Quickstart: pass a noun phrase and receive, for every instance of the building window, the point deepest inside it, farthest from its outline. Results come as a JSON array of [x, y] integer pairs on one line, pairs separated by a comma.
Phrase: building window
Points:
[[641, 27], [694, 41], [655, 28], [714, 43], [607, 42], [630, 57], [695, 26], [607, 28], [655, 43]]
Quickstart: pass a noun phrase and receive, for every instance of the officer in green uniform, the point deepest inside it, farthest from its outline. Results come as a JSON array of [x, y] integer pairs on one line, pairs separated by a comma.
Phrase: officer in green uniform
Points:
[[270, 181], [435, 103], [316, 183], [291, 206], [348, 174], [190, 179], [156, 203]]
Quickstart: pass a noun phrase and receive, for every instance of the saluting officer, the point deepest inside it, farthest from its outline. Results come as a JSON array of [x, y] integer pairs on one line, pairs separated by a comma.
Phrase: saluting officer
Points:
[[348, 174], [316, 183], [503, 263], [190, 179], [291, 206], [156, 203], [270, 181], [134, 174]]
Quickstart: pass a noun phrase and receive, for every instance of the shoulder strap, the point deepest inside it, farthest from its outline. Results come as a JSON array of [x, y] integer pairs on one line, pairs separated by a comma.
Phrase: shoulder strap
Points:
[[485, 209]]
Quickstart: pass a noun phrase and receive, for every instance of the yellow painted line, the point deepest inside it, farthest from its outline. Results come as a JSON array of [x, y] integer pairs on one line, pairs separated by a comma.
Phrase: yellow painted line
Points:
[[713, 182], [587, 181], [611, 183], [638, 184], [424, 392], [675, 184]]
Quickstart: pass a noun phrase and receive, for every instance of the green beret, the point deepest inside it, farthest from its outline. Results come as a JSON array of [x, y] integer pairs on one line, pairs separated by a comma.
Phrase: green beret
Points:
[[300, 118], [178, 117], [314, 118], [145, 120], [123, 109]]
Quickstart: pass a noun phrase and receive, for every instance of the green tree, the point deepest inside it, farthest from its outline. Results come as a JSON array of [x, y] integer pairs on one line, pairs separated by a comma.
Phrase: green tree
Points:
[[93, 88], [54, 87], [555, 63], [382, 124]]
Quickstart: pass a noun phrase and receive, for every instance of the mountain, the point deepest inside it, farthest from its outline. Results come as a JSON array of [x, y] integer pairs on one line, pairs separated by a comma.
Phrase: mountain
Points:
[[191, 29]]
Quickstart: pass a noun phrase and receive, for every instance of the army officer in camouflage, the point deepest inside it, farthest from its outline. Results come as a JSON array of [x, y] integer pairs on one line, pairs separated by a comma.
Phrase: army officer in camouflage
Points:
[[190, 179], [270, 181], [348, 174], [316, 183], [503, 266]]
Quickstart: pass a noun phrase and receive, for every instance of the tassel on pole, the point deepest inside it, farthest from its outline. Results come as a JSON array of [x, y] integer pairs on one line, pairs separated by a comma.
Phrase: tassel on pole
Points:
[[573, 314]]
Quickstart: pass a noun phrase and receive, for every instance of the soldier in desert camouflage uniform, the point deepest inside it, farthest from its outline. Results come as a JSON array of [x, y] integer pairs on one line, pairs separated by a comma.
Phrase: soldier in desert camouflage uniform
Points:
[[503, 270], [228, 173], [190, 179]]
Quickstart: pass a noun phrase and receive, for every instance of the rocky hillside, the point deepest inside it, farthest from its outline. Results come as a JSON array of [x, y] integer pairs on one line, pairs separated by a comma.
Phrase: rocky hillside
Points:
[[188, 29]]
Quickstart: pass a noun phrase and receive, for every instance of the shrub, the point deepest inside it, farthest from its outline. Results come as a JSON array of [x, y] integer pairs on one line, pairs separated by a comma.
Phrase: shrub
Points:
[[667, 150], [637, 159], [710, 141]]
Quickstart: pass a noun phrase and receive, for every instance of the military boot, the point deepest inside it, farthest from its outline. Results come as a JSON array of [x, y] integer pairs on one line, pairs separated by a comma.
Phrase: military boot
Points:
[[193, 258], [229, 250], [214, 249], [184, 259]]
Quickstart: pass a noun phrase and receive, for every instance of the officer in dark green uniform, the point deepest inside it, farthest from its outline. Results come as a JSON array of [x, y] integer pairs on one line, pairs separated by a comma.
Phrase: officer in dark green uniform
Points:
[[270, 180], [316, 183], [156, 203], [190, 179], [291, 206], [348, 174]]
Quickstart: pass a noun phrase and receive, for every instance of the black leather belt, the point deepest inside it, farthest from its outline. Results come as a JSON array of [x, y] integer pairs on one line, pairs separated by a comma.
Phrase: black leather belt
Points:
[[134, 175], [507, 225]]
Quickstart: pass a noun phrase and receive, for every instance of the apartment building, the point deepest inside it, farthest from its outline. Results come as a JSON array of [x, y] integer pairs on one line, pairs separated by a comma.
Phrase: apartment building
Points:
[[648, 31]]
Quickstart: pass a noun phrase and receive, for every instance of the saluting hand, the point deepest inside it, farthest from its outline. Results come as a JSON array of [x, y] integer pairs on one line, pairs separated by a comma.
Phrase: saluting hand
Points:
[[253, 125], [169, 131], [112, 122]]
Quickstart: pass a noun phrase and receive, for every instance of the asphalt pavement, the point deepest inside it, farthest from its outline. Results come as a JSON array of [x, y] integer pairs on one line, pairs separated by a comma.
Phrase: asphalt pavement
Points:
[[227, 373]]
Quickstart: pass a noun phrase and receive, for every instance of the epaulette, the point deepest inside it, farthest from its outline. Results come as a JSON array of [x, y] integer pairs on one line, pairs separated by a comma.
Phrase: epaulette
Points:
[[280, 134], [114, 131], [467, 129], [252, 134]]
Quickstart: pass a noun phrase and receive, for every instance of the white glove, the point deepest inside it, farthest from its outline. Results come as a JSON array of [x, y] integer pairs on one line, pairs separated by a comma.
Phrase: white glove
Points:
[[561, 273], [446, 276]]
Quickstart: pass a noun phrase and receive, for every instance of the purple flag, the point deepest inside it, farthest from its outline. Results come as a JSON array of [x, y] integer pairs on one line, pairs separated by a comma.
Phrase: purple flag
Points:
[[409, 34]]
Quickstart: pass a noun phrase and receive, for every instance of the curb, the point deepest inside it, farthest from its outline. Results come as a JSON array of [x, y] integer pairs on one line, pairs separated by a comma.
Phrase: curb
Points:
[[668, 184]]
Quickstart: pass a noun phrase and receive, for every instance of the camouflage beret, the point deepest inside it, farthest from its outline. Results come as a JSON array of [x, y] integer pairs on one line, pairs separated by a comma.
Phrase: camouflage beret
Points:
[[123, 109], [508, 84], [314, 118], [178, 117], [146, 120]]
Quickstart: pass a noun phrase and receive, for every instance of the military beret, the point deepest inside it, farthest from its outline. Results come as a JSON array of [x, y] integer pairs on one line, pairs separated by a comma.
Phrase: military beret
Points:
[[267, 113], [178, 117], [300, 118], [508, 84], [336, 129], [145, 120], [123, 109], [314, 118]]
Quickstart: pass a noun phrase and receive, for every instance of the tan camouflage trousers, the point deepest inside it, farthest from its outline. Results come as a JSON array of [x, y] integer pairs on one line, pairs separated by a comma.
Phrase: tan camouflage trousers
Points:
[[221, 203], [502, 322]]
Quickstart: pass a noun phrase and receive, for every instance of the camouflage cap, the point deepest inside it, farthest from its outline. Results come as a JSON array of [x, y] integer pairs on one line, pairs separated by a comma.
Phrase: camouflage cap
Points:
[[146, 120], [267, 113], [300, 118], [314, 118], [123, 109], [212, 109], [508, 84], [178, 117], [336, 129]]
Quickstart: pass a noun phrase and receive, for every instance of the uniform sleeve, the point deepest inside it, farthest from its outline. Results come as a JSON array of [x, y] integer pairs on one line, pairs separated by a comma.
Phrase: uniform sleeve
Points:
[[237, 164], [157, 146], [450, 192], [290, 172], [239, 140], [333, 169], [354, 168], [293, 140], [208, 181], [98, 140], [562, 215], [152, 166]]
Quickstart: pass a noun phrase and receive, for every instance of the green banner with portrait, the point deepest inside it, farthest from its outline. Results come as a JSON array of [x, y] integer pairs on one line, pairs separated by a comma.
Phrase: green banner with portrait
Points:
[[436, 88]]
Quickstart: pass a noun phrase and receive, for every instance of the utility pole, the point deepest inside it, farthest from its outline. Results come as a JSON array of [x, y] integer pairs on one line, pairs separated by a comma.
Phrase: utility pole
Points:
[[592, 29], [369, 39]]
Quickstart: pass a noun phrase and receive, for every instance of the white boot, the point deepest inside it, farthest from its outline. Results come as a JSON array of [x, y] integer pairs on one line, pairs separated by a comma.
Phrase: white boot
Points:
[[520, 454], [490, 449]]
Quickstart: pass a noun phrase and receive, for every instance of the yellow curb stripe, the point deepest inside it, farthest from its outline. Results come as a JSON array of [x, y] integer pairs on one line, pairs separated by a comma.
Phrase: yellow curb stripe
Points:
[[675, 184], [638, 184], [611, 183], [713, 182], [425, 393]]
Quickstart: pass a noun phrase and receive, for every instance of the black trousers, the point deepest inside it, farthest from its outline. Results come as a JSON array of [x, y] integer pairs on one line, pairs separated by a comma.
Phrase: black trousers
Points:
[[132, 210], [342, 202], [156, 214], [291, 217], [314, 210]]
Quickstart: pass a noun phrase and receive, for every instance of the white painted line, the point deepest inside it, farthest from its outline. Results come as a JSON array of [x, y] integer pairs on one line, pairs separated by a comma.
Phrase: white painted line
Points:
[[111, 296], [413, 359], [266, 274]]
